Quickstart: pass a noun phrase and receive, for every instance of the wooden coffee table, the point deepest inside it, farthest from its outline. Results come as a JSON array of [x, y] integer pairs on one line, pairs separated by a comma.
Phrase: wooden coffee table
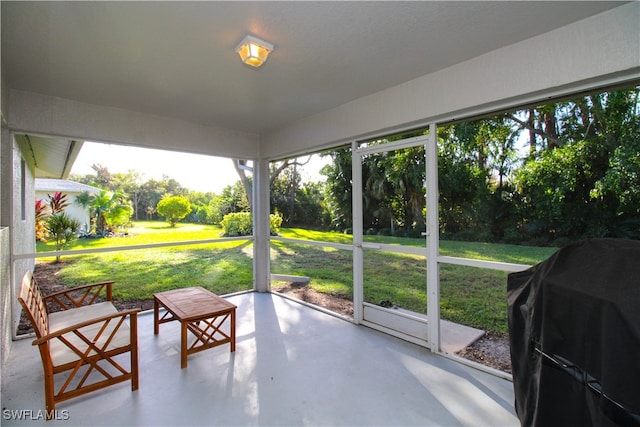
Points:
[[199, 311]]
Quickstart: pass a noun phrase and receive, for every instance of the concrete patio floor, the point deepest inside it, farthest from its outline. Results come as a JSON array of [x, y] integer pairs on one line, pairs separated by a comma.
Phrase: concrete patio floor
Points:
[[293, 366]]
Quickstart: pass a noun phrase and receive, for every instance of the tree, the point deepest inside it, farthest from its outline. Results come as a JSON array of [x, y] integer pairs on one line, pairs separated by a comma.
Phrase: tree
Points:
[[339, 190], [174, 208], [101, 178], [586, 186], [129, 184], [298, 203], [462, 183], [62, 229], [200, 211], [311, 207], [240, 167], [619, 188], [152, 191], [275, 169]]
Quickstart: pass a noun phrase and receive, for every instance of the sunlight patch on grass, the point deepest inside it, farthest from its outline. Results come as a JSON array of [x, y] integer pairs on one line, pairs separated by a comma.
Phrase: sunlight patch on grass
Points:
[[144, 232], [141, 273]]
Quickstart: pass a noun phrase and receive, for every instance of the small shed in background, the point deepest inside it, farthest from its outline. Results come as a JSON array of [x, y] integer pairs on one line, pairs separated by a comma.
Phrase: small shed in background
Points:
[[45, 186]]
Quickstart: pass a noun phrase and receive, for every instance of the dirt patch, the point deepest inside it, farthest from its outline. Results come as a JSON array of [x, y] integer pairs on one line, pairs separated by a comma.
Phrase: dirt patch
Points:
[[490, 350], [305, 293]]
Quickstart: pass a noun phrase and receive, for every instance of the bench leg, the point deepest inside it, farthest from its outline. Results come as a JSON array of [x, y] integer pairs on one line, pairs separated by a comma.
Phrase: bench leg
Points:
[[49, 386], [49, 397], [133, 328]]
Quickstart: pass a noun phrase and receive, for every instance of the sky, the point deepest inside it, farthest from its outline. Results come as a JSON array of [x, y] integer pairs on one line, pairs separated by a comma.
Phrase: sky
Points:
[[195, 172]]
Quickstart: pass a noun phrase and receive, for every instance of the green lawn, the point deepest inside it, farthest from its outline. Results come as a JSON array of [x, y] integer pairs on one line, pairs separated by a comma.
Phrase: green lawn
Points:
[[145, 232], [223, 267], [472, 296]]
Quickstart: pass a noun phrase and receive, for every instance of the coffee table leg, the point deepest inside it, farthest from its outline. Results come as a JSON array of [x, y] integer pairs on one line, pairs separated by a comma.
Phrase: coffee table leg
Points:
[[233, 330], [183, 345]]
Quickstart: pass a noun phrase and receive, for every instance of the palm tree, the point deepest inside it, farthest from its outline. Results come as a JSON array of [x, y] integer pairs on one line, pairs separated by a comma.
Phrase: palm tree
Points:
[[109, 209]]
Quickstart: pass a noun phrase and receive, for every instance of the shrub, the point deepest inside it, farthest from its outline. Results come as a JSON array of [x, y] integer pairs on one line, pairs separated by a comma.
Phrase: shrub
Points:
[[237, 224], [240, 224], [174, 208], [275, 221]]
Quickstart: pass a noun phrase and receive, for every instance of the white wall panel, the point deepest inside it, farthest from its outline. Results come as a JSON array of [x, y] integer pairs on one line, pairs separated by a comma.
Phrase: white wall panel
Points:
[[49, 115]]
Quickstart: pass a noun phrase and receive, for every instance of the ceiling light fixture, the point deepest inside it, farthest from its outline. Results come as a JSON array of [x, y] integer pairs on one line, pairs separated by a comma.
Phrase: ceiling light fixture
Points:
[[254, 51]]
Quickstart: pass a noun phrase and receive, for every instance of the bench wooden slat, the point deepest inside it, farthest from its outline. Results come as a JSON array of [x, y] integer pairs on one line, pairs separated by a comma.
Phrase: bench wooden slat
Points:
[[34, 305]]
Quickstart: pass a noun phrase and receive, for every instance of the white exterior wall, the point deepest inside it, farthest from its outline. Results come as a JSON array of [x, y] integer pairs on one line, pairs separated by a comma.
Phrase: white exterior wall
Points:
[[19, 234], [598, 51], [23, 231], [5, 234], [6, 323], [6, 318], [73, 210]]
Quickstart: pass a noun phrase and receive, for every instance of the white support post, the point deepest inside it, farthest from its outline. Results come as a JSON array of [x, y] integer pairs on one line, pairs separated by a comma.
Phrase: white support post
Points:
[[433, 240], [358, 263], [261, 231]]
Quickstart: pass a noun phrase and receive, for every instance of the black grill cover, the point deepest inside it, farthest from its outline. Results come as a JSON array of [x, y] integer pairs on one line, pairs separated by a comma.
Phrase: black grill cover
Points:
[[574, 331]]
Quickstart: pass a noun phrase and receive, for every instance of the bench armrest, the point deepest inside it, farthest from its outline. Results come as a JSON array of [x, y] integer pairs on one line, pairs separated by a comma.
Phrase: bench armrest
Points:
[[88, 295], [103, 319]]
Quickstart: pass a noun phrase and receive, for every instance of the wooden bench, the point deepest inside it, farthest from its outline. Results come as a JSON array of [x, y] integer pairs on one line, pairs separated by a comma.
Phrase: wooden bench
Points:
[[80, 337]]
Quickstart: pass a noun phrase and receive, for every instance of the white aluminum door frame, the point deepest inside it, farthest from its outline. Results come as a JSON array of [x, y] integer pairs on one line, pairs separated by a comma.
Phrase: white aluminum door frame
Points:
[[429, 142]]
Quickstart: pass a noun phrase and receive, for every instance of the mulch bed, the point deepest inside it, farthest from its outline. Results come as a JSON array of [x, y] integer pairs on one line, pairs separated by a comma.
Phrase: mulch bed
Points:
[[490, 350], [305, 293], [47, 276]]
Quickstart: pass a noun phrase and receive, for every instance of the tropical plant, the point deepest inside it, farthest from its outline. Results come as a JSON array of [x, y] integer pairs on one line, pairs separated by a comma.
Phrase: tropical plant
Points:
[[109, 210], [54, 205], [62, 228], [119, 216], [58, 202], [41, 214]]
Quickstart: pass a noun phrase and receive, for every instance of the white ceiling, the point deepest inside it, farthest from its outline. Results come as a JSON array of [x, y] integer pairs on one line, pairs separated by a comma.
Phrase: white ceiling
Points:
[[177, 59]]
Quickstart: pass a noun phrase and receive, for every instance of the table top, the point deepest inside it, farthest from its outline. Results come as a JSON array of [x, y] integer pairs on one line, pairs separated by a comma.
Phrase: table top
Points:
[[193, 303]]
